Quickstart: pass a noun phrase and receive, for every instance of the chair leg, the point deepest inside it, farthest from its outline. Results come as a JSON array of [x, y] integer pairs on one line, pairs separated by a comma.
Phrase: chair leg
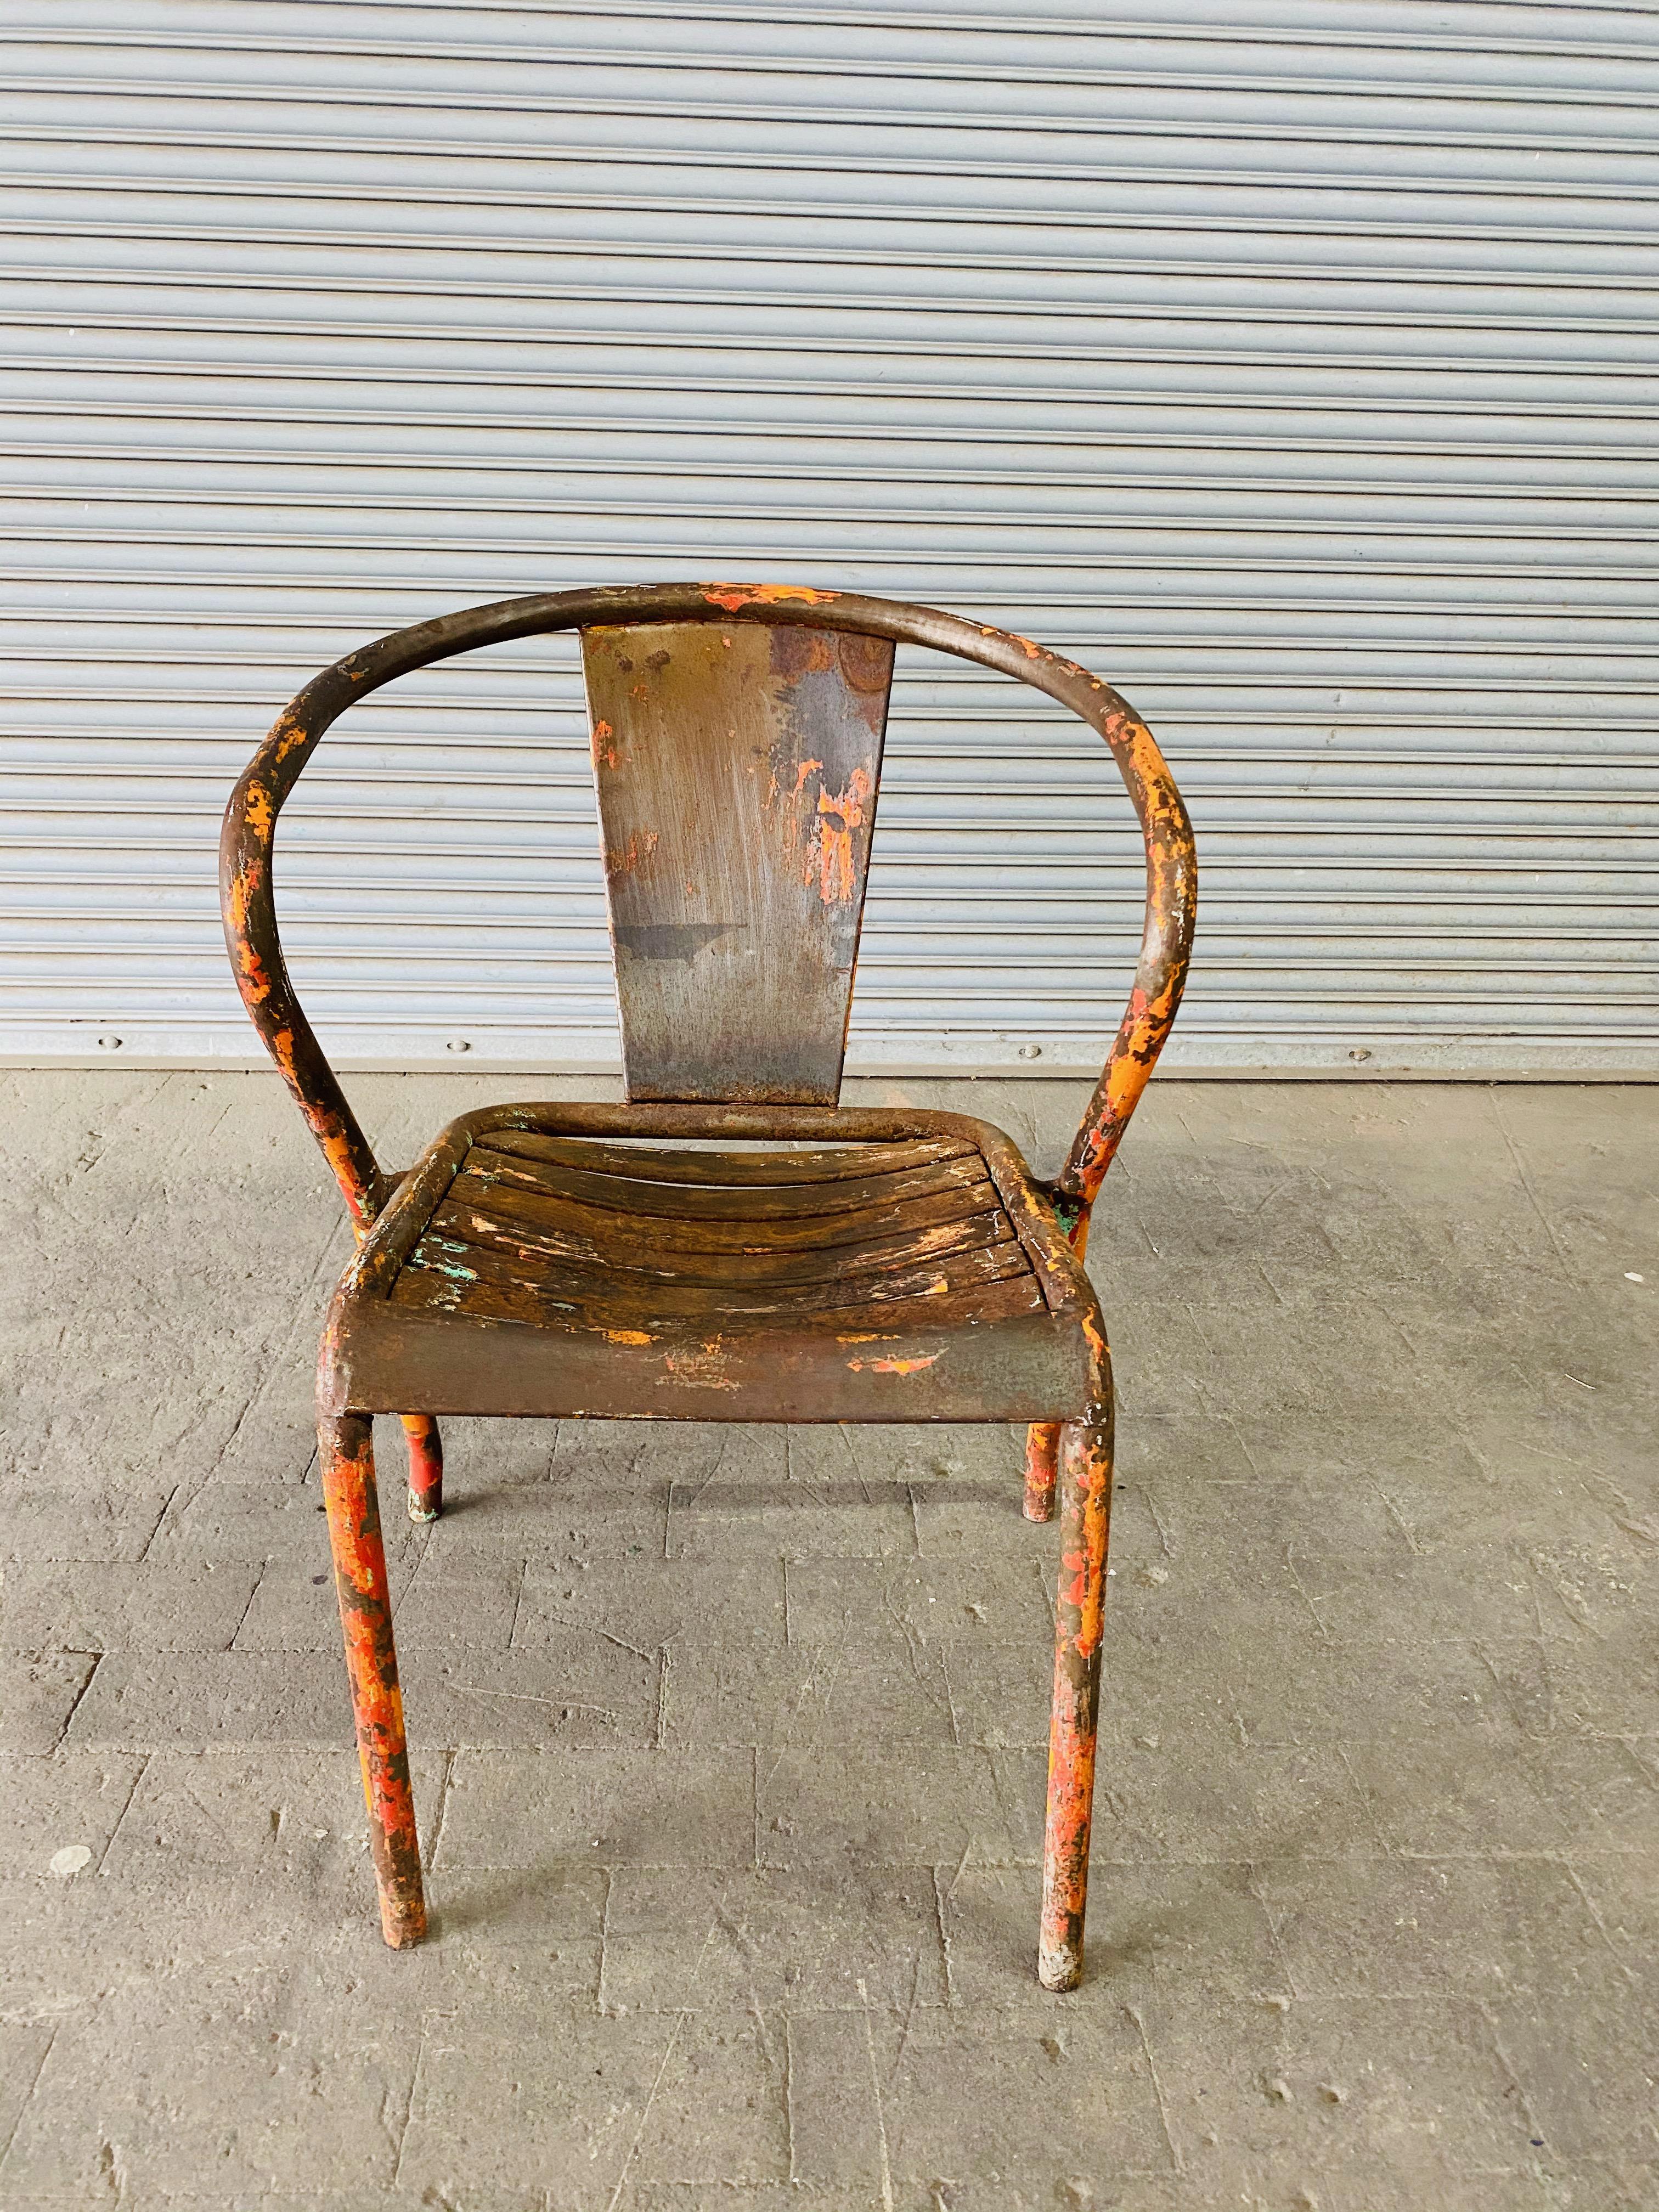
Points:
[[1085, 1468], [354, 1533], [426, 1467], [1041, 1461]]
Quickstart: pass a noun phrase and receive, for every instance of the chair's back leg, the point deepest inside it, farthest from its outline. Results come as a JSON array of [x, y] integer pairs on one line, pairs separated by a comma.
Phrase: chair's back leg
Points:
[[426, 1467], [1086, 1477], [1042, 1467], [354, 1532]]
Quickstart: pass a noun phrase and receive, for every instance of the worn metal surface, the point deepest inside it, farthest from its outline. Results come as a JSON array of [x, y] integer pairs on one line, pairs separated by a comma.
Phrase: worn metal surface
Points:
[[1042, 1469], [516, 1271], [346, 1450], [737, 768], [1086, 1472]]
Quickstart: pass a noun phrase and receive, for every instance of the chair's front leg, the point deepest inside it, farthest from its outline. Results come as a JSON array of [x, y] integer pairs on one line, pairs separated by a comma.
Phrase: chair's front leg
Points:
[[1085, 1475], [426, 1467], [354, 1532]]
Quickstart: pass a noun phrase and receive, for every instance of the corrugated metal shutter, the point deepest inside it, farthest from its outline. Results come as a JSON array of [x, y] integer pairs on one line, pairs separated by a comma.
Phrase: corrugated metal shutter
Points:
[[1291, 374]]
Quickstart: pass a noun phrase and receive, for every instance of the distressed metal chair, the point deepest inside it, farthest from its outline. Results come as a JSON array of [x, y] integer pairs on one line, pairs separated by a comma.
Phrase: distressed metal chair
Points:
[[878, 1265]]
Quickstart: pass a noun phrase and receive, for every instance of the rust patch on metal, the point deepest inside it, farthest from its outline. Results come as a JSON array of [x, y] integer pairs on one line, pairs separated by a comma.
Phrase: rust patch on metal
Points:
[[797, 653]]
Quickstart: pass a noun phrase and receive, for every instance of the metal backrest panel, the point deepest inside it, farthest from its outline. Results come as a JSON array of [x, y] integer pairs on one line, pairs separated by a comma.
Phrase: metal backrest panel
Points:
[[737, 767]]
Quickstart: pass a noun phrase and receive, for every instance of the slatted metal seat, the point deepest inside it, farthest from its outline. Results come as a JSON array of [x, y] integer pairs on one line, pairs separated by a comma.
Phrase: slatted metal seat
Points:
[[554, 1232], [731, 1243], [524, 1269]]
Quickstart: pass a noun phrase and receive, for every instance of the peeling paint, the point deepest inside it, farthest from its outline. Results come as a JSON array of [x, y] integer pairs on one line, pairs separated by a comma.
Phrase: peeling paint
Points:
[[632, 855], [703, 1370], [1087, 1499], [735, 597], [1042, 1469], [426, 1467], [360, 1581], [840, 813]]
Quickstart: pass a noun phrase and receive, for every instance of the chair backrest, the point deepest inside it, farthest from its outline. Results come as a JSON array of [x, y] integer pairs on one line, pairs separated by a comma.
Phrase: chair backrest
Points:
[[736, 737], [737, 767]]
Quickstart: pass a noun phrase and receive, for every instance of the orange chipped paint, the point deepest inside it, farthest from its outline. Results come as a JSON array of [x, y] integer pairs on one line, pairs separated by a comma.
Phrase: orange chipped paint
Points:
[[360, 1581], [256, 982], [289, 734], [895, 1366], [1087, 1453], [604, 744], [629, 1336], [804, 771], [704, 1369], [839, 814], [735, 597], [336, 1151], [638, 849], [1042, 1467], [239, 899], [1027, 645], [259, 813]]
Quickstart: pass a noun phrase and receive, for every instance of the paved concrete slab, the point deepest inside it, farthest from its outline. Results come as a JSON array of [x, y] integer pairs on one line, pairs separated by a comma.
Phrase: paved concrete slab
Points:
[[729, 1744]]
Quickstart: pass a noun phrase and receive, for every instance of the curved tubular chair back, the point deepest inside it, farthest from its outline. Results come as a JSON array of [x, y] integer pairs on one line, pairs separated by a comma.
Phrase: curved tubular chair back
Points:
[[813, 706]]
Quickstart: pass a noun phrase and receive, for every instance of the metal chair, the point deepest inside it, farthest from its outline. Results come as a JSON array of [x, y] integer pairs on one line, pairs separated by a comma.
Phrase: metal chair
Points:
[[842, 1264]]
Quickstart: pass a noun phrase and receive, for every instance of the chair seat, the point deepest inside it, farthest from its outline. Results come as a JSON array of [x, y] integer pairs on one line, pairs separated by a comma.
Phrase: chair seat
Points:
[[773, 1282]]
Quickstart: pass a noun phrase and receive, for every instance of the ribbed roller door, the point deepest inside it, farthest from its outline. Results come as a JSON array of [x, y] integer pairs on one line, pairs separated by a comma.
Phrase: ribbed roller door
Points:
[[1293, 371]]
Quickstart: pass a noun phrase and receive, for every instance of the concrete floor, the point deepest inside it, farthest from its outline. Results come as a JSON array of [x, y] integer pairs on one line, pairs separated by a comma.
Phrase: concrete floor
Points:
[[729, 1743]]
